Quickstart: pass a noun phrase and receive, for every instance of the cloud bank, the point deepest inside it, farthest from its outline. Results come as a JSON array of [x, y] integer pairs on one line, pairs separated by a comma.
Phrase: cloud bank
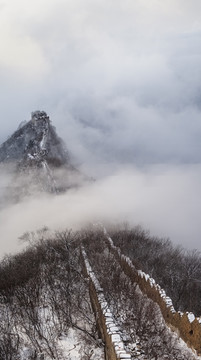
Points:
[[119, 80], [160, 199], [121, 83]]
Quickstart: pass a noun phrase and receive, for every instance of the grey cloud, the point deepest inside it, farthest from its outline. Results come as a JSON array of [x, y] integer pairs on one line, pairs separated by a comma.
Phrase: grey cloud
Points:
[[121, 83], [165, 200], [126, 76]]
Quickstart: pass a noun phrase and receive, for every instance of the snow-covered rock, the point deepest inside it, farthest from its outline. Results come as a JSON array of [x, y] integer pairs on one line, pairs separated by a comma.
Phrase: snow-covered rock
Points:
[[39, 157]]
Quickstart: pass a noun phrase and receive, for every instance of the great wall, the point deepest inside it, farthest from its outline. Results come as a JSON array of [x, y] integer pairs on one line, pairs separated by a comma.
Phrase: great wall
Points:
[[187, 326]]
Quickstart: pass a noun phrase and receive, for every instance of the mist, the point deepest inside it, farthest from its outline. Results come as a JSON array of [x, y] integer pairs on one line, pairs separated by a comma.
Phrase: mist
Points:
[[163, 200], [121, 83]]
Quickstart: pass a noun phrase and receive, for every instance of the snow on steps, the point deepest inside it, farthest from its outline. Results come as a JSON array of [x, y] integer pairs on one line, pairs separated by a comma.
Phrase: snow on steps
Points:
[[188, 325], [111, 328]]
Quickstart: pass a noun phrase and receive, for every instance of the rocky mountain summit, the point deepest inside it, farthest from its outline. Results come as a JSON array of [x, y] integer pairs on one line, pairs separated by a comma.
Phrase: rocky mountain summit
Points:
[[38, 157], [34, 143]]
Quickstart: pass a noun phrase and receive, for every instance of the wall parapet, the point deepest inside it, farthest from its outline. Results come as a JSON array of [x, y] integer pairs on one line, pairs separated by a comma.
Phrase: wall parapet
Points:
[[188, 326], [110, 333]]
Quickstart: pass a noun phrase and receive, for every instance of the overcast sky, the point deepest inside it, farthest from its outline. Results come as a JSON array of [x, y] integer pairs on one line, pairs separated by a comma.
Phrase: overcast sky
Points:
[[120, 79]]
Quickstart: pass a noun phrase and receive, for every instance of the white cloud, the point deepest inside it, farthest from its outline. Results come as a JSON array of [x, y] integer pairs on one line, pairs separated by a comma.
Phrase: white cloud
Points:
[[120, 80], [163, 199]]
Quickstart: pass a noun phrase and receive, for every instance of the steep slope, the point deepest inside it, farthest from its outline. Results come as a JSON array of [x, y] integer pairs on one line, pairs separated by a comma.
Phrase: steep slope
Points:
[[67, 296], [39, 158], [45, 310], [35, 142]]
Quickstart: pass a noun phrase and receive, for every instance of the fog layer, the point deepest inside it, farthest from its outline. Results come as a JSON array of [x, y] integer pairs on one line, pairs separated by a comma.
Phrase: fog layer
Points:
[[164, 200], [121, 83], [120, 80]]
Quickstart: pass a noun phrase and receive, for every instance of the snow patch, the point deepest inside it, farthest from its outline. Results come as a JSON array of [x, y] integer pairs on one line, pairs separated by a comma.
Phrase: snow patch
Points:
[[191, 317], [112, 329]]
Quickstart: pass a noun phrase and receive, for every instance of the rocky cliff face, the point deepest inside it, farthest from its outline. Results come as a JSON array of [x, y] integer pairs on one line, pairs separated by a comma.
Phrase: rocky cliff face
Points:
[[39, 157], [35, 142]]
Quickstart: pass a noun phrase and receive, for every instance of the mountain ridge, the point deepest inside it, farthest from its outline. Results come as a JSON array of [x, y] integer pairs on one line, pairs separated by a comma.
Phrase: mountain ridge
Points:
[[35, 140], [39, 158]]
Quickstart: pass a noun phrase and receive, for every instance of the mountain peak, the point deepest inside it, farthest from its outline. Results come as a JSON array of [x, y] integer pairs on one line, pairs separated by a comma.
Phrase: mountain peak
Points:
[[39, 115], [39, 155], [34, 142]]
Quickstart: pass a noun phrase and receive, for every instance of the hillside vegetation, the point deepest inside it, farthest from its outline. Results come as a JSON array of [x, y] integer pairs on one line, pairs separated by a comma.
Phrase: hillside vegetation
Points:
[[177, 270], [46, 308]]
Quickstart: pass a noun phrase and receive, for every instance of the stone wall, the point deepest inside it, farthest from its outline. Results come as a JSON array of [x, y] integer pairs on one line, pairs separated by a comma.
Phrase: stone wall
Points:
[[187, 325], [108, 331]]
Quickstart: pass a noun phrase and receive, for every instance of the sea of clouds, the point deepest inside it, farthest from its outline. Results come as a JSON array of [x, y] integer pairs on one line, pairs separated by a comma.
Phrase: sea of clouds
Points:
[[121, 83]]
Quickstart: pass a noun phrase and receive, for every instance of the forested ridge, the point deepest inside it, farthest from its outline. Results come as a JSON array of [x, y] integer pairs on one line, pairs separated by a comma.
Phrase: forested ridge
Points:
[[175, 269], [44, 295]]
